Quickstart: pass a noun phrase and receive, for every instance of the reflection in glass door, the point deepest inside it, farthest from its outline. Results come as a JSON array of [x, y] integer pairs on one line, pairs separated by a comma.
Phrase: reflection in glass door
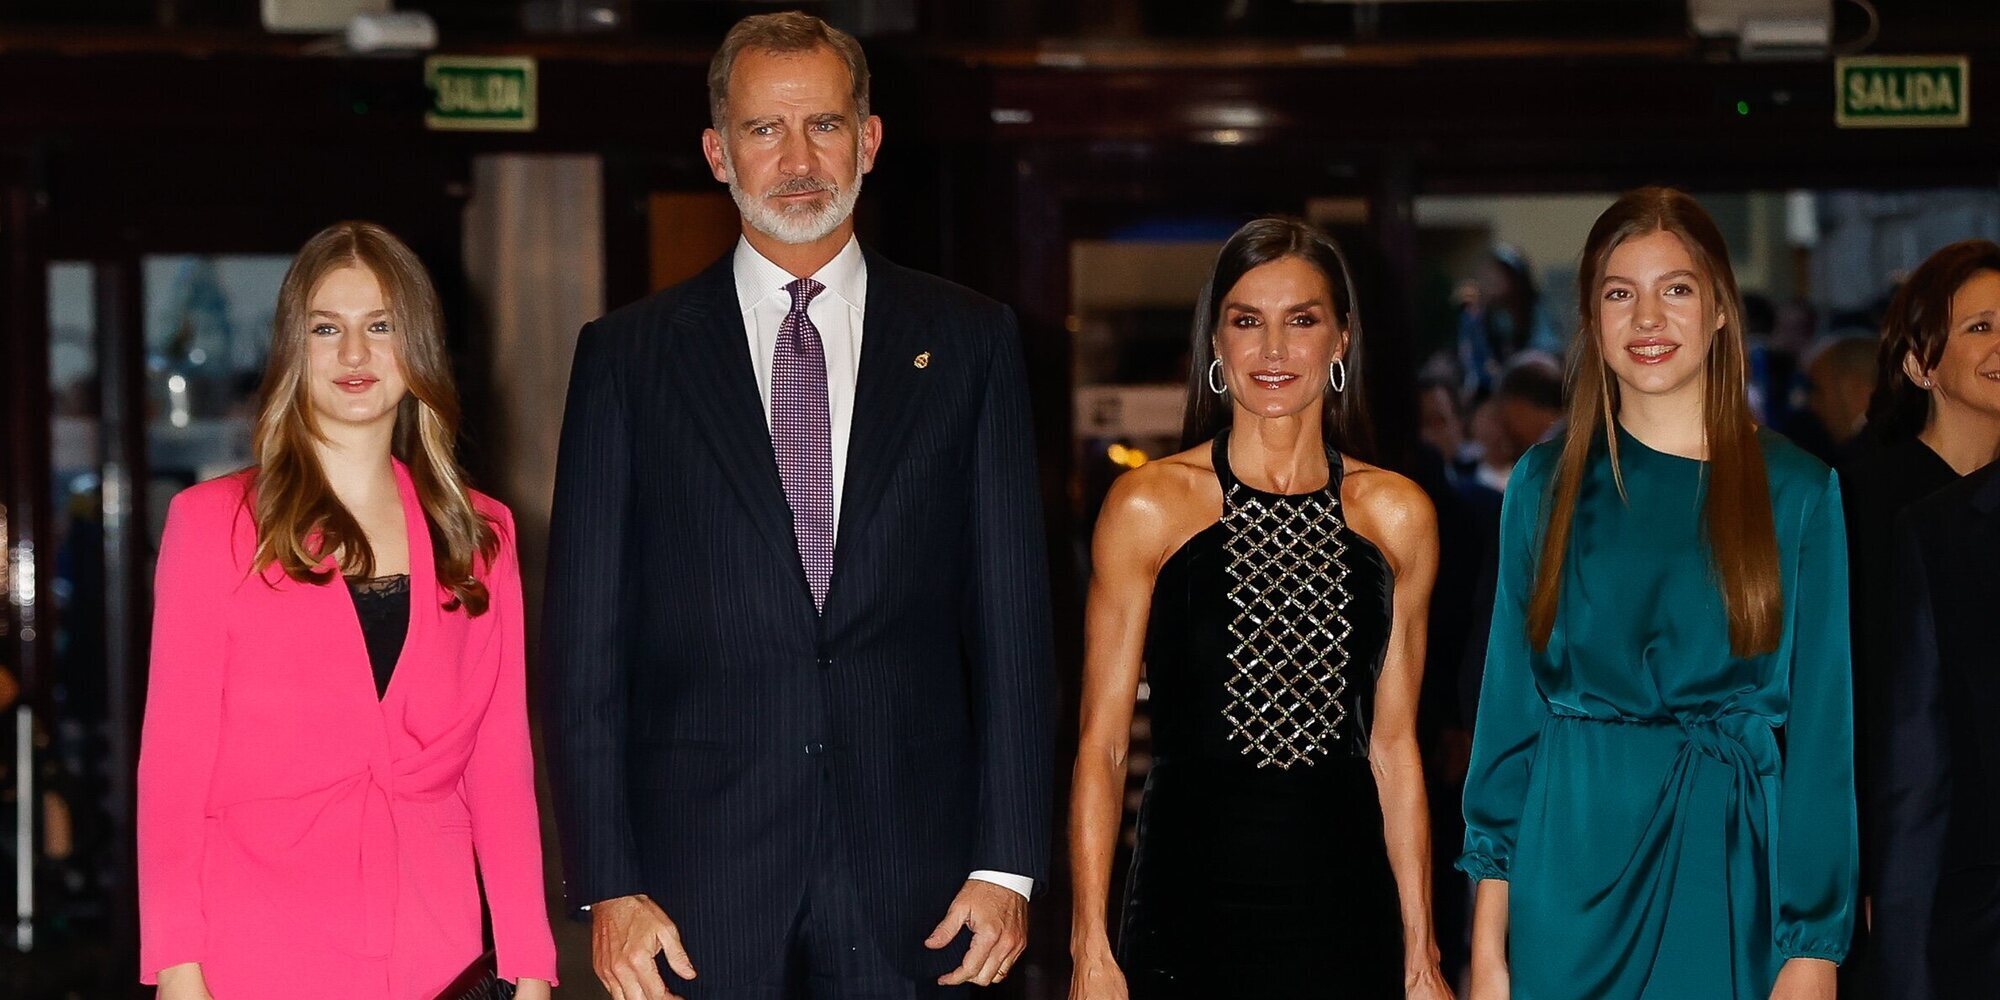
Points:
[[73, 864], [207, 330], [153, 367]]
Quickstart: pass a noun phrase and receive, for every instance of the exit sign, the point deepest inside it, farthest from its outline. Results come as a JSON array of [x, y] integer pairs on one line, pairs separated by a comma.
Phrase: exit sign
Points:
[[1902, 92], [481, 93]]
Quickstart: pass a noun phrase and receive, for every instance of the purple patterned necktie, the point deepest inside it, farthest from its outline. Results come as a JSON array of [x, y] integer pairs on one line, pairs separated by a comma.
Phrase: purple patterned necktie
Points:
[[802, 435]]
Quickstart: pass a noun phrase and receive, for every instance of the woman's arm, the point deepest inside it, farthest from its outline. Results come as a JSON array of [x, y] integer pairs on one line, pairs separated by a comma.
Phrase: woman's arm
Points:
[[1489, 942], [1125, 554], [181, 734], [500, 781], [1813, 894], [1402, 523], [1509, 726], [183, 982]]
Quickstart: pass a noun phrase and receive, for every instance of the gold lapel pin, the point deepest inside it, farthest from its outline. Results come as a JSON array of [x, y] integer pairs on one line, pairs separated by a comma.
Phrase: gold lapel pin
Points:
[[922, 360]]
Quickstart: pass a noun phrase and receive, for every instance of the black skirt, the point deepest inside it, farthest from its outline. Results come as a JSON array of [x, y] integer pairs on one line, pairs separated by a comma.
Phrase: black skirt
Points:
[[1261, 883]]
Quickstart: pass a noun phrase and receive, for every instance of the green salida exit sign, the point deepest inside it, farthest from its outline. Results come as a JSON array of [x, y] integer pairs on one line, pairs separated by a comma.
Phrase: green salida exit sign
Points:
[[481, 93], [1902, 92]]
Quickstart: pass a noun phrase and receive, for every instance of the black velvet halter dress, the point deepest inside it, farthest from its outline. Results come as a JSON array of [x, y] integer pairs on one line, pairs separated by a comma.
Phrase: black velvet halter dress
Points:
[[1260, 869]]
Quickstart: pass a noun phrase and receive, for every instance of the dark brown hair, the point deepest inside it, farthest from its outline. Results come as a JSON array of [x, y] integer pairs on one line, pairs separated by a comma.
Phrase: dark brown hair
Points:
[[1918, 324], [1736, 507], [1344, 415], [299, 519], [787, 32]]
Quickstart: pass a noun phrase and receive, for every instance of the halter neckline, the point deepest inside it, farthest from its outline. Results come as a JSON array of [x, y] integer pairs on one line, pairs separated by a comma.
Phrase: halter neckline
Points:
[[1227, 476]]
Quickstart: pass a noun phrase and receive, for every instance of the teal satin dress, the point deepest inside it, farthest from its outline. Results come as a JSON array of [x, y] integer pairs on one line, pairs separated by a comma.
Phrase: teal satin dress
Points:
[[1673, 821]]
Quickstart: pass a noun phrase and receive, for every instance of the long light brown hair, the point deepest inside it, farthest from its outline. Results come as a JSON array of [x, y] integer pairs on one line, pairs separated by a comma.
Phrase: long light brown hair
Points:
[[300, 522], [1736, 507]]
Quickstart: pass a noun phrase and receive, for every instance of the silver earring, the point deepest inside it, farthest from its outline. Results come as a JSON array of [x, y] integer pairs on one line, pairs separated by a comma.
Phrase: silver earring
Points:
[[1336, 375], [1215, 377]]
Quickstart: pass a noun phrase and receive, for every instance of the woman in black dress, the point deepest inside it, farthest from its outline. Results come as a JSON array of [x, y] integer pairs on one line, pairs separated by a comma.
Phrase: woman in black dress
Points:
[[1273, 587], [1933, 419], [1929, 812]]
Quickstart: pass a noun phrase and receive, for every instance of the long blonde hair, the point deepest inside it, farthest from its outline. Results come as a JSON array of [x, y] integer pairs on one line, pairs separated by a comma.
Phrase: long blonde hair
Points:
[[299, 519], [1736, 510]]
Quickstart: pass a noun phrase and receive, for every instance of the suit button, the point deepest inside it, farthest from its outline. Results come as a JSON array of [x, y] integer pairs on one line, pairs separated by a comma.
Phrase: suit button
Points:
[[826, 663], [814, 749]]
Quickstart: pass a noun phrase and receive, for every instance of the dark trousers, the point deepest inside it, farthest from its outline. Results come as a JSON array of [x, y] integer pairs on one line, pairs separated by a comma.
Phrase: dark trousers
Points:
[[832, 952]]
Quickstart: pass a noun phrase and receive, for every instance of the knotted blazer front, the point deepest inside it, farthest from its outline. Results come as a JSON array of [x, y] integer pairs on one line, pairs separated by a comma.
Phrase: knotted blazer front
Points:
[[300, 837]]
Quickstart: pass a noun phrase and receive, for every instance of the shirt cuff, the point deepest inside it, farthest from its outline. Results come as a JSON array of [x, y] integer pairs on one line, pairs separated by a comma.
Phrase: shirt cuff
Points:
[[1019, 883]]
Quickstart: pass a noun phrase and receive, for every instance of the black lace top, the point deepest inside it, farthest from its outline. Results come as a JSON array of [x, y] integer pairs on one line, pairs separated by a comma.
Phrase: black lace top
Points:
[[383, 605]]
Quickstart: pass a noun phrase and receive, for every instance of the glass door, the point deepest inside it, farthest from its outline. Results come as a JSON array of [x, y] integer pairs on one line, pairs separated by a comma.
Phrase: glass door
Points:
[[150, 376]]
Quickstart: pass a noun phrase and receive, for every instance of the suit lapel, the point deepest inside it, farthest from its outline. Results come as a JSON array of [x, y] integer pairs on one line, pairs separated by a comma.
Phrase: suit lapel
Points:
[[887, 386], [711, 351]]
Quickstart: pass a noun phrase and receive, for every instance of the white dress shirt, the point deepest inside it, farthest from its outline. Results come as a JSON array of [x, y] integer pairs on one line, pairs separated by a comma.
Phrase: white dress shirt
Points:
[[837, 313]]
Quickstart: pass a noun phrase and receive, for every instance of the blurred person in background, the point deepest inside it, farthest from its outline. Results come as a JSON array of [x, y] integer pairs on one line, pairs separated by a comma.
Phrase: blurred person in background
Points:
[[1670, 604], [1271, 585], [1521, 413], [1487, 475], [1839, 380], [1529, 410], [335, 757], [1531, 399], [1770, 366], [1501, 314], [1935, 418], [1440, 424], [1446, 738]]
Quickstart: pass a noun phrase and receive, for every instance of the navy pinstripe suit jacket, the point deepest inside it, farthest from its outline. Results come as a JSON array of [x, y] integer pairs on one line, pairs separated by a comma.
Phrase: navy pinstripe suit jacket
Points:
[[706, 730]]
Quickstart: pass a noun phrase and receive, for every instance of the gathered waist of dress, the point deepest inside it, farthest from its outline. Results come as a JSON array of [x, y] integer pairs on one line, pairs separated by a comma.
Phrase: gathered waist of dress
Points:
[[1742, 739], [1713, 718]]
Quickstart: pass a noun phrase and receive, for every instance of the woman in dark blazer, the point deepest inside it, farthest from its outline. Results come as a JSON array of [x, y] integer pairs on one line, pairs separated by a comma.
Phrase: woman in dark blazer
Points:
[[1934, 418], [1935, 808]]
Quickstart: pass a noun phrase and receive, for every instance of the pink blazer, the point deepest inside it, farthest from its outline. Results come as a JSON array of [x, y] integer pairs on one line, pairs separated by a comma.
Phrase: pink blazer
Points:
[[300, 838]]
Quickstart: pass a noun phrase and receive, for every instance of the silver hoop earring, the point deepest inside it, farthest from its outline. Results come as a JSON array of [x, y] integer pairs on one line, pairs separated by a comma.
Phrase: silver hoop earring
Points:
[[1336, 375], [1215, 378]]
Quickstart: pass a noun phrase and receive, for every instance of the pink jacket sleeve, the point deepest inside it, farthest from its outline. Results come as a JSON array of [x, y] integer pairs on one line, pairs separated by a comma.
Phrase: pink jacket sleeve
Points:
[[500, 782], [182, 727]]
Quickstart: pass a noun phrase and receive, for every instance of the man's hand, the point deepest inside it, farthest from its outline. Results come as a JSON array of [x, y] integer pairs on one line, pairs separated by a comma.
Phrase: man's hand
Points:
[[998, 917], [625, 934]]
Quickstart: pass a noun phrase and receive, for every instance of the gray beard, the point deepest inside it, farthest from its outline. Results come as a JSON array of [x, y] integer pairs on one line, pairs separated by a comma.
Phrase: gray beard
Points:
[[794, 226]]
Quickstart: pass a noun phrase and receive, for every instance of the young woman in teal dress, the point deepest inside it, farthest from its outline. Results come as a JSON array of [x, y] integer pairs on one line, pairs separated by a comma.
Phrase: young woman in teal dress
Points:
[[1661, 797]]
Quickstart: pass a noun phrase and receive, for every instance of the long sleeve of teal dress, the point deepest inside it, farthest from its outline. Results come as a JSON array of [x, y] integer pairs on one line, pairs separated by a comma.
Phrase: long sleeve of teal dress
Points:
[[1675, 821], [1817, 855], [1511, 709]]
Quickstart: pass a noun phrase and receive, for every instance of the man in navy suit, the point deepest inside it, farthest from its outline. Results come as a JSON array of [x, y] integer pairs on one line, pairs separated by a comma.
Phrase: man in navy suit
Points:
[[799, 684]]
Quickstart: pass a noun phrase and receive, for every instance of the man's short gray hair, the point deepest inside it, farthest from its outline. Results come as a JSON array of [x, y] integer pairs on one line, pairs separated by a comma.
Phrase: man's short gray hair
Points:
[[791, 31]]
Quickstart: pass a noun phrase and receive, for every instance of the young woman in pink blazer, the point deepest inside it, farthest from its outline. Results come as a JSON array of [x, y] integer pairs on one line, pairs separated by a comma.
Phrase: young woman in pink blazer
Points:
[[336, 724]]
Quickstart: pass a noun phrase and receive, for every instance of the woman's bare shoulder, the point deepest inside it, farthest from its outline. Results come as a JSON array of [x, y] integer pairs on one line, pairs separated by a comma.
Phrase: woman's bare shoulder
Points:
[[1390, 509], [1160, 504]]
